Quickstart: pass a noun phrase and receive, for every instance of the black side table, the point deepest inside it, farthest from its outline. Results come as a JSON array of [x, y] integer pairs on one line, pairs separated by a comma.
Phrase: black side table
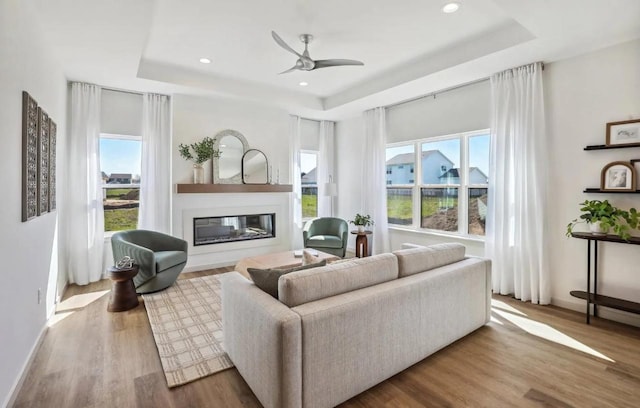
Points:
[[123, 292]]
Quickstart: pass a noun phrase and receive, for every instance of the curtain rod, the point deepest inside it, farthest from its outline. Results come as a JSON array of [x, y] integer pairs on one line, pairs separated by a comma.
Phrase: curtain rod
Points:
[[433, 94], [121, 90]]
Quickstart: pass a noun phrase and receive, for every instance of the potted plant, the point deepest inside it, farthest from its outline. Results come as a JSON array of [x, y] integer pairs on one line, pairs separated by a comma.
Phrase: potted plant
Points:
[[199, 153], [602, 216], [362, 221]]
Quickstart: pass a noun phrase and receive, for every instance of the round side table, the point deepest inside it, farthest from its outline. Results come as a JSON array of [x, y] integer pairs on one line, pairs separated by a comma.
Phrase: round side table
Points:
[[362, 243], [123, 292]]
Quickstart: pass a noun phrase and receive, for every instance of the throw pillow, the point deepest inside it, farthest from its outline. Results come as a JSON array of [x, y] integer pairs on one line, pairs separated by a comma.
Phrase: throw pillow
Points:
[[267, 279], [308, 258]]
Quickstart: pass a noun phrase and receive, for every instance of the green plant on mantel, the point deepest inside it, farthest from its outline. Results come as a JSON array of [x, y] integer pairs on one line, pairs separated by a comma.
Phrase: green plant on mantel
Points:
[[621, 221], [362, 220], [199, 152]]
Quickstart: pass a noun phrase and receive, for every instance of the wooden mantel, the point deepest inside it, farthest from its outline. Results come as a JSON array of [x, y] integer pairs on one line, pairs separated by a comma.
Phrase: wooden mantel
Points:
[[233, 188]]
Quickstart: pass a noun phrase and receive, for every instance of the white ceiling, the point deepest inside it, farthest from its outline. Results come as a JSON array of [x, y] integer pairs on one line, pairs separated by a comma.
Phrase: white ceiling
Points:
[[409, 47]]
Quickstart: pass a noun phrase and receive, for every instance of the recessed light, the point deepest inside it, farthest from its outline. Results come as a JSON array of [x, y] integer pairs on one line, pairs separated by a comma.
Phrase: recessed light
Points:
[[450, 7], [205, 60], [303, 83]]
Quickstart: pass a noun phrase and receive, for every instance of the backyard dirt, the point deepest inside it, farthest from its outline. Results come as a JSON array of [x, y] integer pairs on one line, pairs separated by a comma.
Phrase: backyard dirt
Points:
[[447, 220]]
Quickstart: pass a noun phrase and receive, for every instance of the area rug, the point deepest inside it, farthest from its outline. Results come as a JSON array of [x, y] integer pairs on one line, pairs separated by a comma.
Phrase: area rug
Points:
[[186, 320]]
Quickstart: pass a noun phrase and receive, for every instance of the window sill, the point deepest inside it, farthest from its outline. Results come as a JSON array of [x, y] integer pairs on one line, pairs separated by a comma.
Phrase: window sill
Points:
[[473, 238]]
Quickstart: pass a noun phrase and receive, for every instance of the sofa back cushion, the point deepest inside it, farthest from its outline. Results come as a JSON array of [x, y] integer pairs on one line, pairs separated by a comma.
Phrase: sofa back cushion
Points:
[[318, 283], [416, 260]]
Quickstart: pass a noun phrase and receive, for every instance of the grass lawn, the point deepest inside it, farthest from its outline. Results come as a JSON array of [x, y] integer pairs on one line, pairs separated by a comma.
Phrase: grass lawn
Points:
[[309, 206], [121, 219], [118, 192], [399, 207]]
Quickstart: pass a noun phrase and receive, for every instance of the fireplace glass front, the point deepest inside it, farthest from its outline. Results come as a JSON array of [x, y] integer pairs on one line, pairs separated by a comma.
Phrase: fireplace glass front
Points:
[[218, 230]]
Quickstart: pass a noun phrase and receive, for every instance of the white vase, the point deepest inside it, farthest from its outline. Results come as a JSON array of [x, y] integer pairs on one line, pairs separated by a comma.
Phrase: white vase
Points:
[[596, 228], [198, 174], [360, 228]]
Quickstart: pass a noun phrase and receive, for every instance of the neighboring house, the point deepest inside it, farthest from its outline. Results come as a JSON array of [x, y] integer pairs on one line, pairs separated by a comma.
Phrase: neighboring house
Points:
[[400, 168], [309, 178], [119, 178], [105, 178], [476, 176]]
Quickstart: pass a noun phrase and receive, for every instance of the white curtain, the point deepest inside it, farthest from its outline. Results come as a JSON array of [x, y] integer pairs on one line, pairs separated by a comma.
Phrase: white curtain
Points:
[[155, 177], [374, 191], [326, 157], [515, 235], [296, 204], [81, 215]]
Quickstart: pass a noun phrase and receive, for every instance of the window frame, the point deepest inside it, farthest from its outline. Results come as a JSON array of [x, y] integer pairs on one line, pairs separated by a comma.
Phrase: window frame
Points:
[[317, 154], [463, 185], [107, 186]]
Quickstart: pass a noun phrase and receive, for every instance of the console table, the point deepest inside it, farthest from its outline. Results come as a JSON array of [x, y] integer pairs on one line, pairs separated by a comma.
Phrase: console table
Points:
[[593, 297]]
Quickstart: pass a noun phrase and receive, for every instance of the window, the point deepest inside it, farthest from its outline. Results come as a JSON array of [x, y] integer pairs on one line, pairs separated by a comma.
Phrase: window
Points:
[[400, 184], [452, 187], [120, 159], [309, 182]]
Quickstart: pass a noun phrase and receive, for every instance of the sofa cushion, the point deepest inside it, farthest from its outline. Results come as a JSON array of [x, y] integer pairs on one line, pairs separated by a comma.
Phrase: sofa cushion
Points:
[[324, 241], [168, 259], [415, 260], [306, 286], [267, 279]]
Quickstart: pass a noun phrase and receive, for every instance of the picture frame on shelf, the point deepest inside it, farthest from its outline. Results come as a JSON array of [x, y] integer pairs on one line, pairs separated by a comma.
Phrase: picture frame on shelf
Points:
[[624, 133], [618, 176]]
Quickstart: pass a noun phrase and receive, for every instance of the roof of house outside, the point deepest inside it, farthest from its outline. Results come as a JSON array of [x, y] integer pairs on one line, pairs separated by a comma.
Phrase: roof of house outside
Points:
[[455, 173], [310, 177], [408, 158], [120, 175]]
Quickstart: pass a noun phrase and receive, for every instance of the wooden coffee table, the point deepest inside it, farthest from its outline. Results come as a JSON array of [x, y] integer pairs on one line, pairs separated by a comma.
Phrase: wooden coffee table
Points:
[[277, 260]]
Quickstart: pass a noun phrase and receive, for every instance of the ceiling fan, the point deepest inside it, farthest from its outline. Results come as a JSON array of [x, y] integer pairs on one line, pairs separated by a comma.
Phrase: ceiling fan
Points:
[[304, 62]]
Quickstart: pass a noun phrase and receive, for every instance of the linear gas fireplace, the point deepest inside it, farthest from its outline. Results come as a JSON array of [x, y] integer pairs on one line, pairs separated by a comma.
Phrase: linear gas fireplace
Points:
[[218, 230]]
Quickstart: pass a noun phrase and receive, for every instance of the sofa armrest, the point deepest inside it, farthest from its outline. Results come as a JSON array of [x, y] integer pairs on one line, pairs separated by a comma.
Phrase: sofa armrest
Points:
[[263, 338]]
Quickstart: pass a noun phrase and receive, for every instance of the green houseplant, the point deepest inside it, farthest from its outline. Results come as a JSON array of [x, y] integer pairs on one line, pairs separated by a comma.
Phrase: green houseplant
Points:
[[362, 221], [602, 216], [199, 153]]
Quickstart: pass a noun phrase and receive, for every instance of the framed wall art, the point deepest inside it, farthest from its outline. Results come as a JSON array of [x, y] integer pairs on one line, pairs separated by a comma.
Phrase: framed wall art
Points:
[[618, 176], [53, 129], [43, 162], [623, 133], [30, 150]]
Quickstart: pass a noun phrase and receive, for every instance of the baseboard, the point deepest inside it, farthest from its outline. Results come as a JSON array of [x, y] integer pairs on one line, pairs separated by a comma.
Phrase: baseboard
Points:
[[603, 312], [17, 385]]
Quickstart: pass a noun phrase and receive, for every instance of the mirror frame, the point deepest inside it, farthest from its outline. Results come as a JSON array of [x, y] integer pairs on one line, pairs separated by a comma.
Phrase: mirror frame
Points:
[[266, 159], [215, 162]]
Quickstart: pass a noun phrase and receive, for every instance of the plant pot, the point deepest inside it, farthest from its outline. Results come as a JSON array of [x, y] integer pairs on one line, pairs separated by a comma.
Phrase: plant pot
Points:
[[198, 174], [597, 229], [360, 228]]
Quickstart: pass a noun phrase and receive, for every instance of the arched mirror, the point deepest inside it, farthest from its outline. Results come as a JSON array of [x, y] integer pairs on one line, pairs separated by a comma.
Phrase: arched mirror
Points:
[[255, 167], [227, 169]]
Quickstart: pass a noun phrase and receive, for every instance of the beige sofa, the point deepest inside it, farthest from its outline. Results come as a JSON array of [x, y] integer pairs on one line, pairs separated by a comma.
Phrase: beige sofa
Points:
[[338, 330]]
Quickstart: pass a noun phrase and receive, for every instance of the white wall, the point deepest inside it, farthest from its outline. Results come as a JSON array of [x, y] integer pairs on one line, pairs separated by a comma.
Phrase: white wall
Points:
[[455, 111], [583, 94], [265, 128], [28, 250]]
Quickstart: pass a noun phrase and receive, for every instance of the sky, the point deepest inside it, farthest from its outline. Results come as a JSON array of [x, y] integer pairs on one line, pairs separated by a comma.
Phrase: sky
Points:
[[120, 156], [307, 162]]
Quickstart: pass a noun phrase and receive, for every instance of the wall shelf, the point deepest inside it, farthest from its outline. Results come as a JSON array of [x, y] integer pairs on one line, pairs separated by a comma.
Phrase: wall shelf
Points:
[[598, 191], [232, 188], [605, 147]]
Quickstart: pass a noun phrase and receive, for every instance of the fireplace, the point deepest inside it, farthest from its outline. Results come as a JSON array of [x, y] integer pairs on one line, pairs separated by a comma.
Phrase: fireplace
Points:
[[233, 228]]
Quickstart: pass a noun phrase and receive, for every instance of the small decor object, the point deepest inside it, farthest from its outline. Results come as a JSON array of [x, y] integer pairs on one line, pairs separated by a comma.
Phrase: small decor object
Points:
[[626, 132], [199, 153], [43, 162], [29, 157], [604, 216], [362, 221], [125, 263], [618, 176]]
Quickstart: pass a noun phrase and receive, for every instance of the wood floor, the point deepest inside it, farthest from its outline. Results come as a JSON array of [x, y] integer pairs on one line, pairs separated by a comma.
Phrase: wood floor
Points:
[[92, 358]]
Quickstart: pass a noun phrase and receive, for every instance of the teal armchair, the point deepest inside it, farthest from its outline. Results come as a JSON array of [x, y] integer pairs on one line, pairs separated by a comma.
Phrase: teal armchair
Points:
[[160, 257], [327, 235]]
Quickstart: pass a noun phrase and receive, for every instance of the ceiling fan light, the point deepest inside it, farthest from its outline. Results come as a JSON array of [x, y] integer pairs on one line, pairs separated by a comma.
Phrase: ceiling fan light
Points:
[[205, 60], [450, 7]]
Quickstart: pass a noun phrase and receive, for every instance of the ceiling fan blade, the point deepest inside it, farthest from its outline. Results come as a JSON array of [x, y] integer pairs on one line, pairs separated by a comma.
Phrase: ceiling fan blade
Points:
[[284, 45], [336, 63], [294, 68]]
